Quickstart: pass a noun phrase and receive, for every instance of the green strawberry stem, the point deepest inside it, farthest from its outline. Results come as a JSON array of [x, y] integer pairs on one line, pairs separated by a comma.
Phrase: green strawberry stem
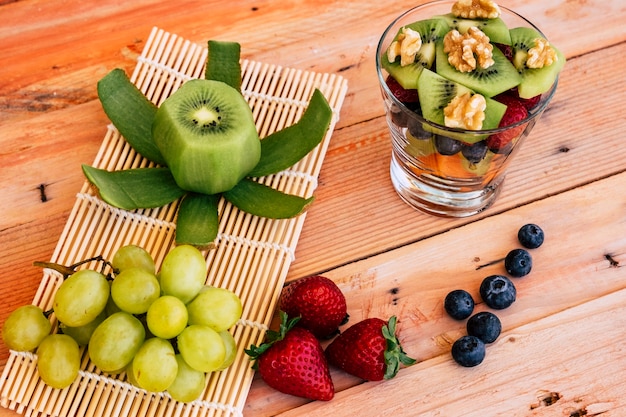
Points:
[[271, 337], [394, 354]]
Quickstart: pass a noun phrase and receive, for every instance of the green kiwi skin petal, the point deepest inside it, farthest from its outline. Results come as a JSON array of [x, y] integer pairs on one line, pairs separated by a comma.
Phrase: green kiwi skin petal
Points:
[[495, 29], [263, 201], [535, 81], [197, 221], [117, 95], [282, 149], [134, 188], [507, 77], [215, 159], [223, 63]]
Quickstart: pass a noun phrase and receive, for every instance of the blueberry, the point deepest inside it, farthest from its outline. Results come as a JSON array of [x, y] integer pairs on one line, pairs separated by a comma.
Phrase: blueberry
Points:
[[459, 304], [498, 292], [468, 351], [530, 236], [398, 116], [475, 153], [447, 146], [416, 128], [484, 325], [518, 262]]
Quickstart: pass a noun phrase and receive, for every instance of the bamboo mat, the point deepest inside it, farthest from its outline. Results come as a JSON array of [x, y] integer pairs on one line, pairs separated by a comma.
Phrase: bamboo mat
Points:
[[251, 257]]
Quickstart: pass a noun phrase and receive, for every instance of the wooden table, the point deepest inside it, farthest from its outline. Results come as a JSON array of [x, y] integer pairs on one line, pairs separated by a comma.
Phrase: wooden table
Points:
[[562, 351]]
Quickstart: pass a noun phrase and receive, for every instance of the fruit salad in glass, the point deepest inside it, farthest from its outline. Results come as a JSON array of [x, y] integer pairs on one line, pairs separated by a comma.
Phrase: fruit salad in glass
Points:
[[463, 84]]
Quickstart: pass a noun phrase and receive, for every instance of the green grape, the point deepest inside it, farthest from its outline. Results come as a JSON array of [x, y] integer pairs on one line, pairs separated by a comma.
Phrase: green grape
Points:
[[183, 272], [81, 297], [154, 366], [115, 341], [111, 307], [134, 289], [189, 383], [167, 317], [202, 348], [82, 334], [215, 307], [25, 328], [132, 256], [58, 360], [130, 376], [231, 349]]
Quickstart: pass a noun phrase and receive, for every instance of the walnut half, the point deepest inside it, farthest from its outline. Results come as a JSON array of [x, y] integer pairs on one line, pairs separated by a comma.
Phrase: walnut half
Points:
[[469, 51], [406, 46], [541, 55], [466, 111], [476, 9]]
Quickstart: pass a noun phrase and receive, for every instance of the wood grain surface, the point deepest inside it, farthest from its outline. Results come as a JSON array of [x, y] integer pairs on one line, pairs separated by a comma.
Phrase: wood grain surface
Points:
[[562, 352]]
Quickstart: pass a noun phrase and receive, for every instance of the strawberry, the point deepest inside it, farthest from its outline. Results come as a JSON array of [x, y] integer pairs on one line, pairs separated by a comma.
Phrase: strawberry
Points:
[[515, 112], [318, 301], [369, 349], [292, 361], [529, 103], [401, 93], [507, 50]]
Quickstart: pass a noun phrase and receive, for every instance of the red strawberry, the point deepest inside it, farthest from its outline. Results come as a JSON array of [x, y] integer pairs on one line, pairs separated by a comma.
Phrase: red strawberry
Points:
[[318, 301], [401, 93], [369, 349], [515, 112], [529, 103], [292, 361], [507, 50]]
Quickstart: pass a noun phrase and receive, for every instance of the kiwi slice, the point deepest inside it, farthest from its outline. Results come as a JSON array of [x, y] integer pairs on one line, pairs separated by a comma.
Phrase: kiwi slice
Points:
[[206, 133], [436, 92], [535, 81], [430, 30], [499, 77], [495, 29]]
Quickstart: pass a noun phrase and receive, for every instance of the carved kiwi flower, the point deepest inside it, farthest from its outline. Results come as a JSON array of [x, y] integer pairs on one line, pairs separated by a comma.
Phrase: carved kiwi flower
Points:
[[406, 46], [466, 111], [468, 51], [476, 9], [204, 145]]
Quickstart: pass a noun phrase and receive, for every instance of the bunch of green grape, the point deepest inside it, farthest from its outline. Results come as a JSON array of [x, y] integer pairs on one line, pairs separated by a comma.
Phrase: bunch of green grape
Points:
[[166, 331]]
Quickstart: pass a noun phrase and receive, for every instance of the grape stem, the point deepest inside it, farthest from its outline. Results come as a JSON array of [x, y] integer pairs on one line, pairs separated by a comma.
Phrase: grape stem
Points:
[[66, 271]]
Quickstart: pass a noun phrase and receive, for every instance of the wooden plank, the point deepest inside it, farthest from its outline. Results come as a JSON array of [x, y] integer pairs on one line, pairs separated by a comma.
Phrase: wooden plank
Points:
[[411, 282]]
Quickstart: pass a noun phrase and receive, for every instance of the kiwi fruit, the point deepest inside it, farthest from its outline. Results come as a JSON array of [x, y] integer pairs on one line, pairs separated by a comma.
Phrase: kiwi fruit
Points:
[[431, 31], [495, 29], [499, 77], [436, 92], [535, 81], [207, 135]]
